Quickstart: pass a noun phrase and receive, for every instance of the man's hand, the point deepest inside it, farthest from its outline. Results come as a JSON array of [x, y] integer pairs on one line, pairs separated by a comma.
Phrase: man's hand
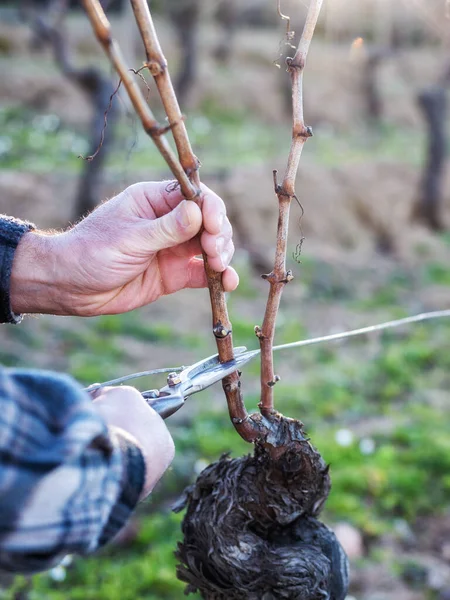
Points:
[[131, 250], [125, 408]]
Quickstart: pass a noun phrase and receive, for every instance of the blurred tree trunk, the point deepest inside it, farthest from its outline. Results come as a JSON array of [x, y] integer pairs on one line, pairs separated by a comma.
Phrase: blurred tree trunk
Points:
[[433, 104], [371, 88], [384, 23], [227, 16], [127, 34], [47, 24], [185, 16], [99, 90]]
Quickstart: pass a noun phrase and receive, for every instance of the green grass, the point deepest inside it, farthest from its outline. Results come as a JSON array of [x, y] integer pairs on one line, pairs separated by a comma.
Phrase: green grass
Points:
[[45, 144], [226, 137], [40, 141], [338, 387], [406, 476], [398, 376], [388, 143]]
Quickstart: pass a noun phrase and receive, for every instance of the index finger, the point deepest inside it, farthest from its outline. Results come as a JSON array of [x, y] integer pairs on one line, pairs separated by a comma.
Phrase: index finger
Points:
[[152, 199], [213, 207]]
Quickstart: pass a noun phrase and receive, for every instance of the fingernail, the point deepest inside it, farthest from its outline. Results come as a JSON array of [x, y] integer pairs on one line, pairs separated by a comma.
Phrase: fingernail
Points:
[[182, 215], [220, 245], [221, 220]]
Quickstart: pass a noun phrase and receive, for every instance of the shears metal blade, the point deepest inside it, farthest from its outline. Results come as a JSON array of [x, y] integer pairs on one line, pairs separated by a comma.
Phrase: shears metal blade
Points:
[[205, 373], [196, 378]]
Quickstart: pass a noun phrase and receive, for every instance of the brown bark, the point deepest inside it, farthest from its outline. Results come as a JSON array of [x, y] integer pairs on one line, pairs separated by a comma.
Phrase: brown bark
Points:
[[102, 31], [433, 104], [285, 192], [227, 16], [48, 28], [221, 325], [185, 16], [251, 529], [185, 169], [372, 96]]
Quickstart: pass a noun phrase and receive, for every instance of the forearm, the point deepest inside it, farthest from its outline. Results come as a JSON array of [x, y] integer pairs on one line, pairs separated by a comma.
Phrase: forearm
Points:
[[34, 275], [36, 271], [31, 271]]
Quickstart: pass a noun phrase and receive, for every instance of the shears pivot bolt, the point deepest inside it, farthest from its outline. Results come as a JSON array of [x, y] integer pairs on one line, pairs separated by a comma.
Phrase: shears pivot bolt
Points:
[[173, 379]]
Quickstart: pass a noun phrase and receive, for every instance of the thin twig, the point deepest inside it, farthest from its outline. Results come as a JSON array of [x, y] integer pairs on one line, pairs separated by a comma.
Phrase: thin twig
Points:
[[48, 27], [105, 125], [342, 335], [144, 81], [284, 18], [102, 30], [157, 65], [279, 277], [118, 380]]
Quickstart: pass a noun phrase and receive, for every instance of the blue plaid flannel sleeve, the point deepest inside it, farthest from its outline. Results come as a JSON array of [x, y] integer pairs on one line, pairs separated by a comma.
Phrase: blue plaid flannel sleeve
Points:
[[67, 482]]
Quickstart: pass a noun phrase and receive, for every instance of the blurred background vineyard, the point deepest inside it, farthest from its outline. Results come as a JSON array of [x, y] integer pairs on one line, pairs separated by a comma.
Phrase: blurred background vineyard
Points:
[[377, 246]]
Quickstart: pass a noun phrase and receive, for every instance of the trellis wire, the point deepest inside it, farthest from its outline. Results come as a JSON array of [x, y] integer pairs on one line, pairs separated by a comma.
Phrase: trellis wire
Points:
[[426, 316]]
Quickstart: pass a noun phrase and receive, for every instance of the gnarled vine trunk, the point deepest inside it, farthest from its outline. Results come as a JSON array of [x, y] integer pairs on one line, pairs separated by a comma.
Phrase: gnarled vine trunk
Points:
[[251, 530]]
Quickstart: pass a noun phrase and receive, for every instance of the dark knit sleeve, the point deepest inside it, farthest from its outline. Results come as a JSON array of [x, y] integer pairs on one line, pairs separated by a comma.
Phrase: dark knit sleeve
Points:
[[11, 231]]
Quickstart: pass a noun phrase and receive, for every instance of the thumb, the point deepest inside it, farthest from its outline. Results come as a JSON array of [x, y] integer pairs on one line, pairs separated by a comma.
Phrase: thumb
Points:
[[176, 227]]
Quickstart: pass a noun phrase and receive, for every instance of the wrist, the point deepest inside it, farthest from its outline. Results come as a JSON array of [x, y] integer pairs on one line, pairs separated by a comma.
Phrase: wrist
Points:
[[34, 281], [125, 409]]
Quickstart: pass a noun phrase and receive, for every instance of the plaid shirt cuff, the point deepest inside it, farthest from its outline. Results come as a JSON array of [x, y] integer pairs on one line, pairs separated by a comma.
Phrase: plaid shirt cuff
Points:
[[133, 477]]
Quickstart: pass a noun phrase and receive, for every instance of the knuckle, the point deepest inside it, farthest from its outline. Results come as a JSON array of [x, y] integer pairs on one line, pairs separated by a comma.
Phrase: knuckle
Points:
[[168, 442], [133, 189], [211, 198], [129, 389], [161, 233], [209, 243]]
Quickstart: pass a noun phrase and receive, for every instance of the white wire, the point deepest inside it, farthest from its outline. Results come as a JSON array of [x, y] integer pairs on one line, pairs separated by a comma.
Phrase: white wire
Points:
[[324, 338], [97, 386], [371, 328]]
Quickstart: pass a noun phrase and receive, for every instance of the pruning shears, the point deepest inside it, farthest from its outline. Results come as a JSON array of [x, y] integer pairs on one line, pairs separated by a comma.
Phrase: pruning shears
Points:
[[193, 379], [196, 378], [201, 375]]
